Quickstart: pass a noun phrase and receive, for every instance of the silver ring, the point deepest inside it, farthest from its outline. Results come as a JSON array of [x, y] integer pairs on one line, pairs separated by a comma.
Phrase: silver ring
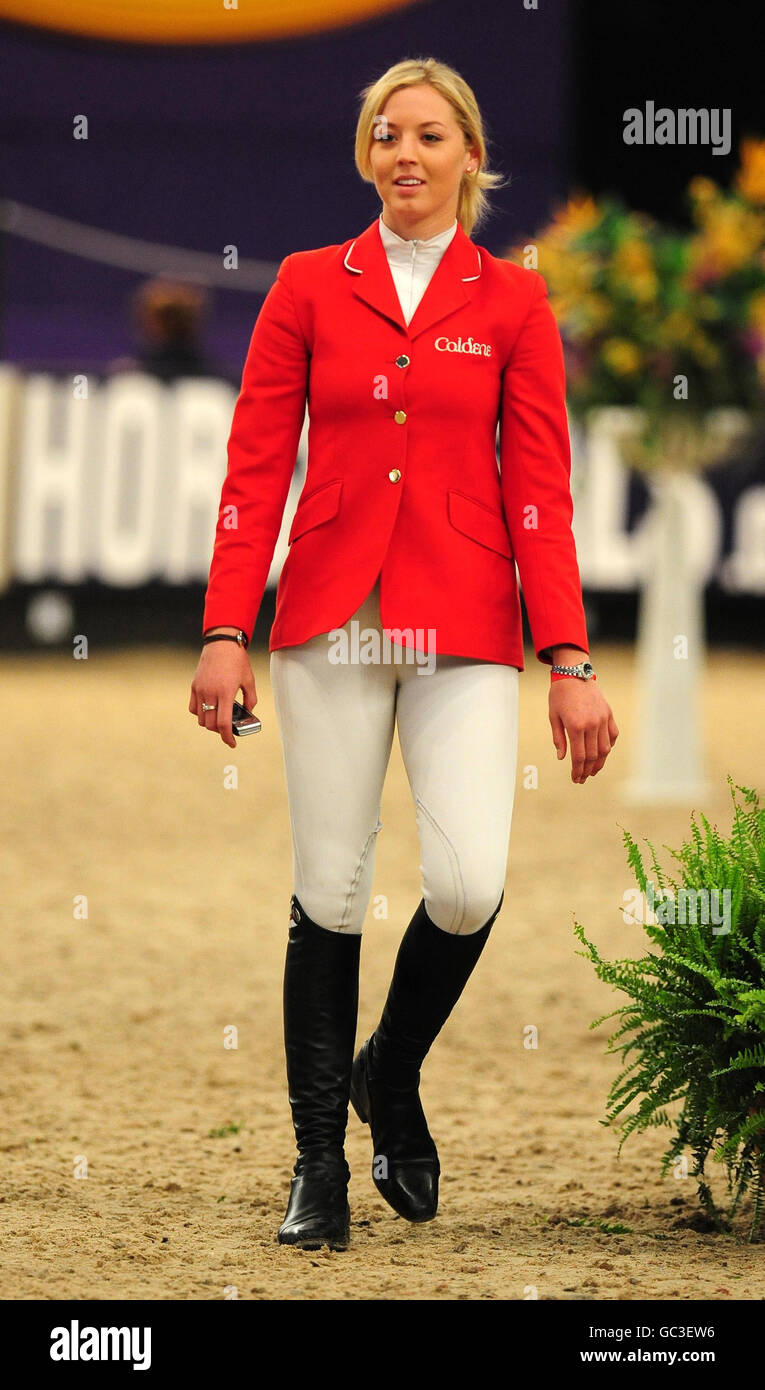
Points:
[[208, 707]]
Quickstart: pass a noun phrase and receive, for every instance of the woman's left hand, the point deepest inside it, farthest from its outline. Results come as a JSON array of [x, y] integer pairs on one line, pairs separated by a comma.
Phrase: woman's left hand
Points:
[[579, 708]]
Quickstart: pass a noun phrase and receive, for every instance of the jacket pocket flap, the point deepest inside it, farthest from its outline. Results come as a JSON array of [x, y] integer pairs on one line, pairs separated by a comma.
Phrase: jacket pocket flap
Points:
[[319, 505], [476, 520]]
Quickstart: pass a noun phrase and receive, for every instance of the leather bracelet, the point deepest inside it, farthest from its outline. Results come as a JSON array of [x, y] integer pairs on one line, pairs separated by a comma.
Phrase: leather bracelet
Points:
[[240, 639]]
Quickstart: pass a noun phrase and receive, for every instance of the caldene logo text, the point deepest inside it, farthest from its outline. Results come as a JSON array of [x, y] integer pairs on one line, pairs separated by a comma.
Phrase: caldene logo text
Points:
[[463, 345]]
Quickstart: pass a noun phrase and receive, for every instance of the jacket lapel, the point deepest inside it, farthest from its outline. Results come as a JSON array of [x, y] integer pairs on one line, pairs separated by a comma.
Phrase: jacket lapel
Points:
[[448, 288]]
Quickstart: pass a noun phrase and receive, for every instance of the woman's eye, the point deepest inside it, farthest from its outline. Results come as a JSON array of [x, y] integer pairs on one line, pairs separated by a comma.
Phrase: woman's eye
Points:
[[386, 138]]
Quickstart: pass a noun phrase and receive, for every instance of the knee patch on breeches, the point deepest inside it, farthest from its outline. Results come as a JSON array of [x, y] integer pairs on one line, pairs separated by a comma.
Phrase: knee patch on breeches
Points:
[[458, 900]]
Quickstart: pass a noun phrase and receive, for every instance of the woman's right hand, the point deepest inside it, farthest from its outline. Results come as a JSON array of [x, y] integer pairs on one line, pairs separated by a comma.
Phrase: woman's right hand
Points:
[[224, 669]]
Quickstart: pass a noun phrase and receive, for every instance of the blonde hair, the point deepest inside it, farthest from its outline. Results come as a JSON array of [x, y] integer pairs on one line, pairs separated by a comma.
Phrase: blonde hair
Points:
[[472, 204]]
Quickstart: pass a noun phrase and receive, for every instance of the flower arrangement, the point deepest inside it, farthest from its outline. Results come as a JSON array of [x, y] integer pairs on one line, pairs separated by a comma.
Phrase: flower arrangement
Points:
[[640, 304]]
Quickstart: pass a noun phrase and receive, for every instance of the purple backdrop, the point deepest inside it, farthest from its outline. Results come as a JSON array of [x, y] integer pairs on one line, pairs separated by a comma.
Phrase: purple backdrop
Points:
[[200, 147]]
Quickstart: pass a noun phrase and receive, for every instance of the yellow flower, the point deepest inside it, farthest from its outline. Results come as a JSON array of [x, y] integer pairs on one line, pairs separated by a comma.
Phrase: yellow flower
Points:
[[632, 263], [632, 257], [644, 287], [731, 238], [750, 179], [621, 356], [676, 330], [568, 273], [706, 198], [703, 190], [757, 310], [580, 214]]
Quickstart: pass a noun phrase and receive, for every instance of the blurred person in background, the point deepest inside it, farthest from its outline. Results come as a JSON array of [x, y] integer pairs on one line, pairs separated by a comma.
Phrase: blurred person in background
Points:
[[415, 344], [168, 318]]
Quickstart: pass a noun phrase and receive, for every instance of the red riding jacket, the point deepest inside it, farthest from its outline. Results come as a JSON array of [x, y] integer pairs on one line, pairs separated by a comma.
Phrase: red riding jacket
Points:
[[402, 475]]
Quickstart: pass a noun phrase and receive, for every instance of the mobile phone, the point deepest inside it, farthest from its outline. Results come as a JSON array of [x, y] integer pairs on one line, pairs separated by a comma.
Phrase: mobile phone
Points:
[[243, 721]]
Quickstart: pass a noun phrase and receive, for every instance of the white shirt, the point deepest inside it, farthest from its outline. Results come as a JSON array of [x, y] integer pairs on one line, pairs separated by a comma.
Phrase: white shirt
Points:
[[412, 262]]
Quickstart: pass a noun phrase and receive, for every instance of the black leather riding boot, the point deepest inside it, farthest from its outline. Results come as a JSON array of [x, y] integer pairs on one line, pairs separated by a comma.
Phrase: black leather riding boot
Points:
[[431, 971], [321, 992]]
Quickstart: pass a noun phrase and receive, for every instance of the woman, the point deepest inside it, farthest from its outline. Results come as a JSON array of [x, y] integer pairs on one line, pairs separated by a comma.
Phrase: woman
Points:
[[398, 603]]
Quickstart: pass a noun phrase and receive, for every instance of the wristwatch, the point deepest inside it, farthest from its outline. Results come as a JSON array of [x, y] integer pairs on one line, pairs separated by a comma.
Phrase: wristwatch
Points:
[[585, 671]]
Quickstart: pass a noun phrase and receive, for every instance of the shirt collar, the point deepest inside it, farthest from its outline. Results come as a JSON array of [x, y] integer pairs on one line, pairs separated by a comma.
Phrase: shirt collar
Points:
[[401, 247]]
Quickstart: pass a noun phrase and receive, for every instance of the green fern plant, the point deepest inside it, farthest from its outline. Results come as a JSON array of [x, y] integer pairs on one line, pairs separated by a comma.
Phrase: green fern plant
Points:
[[694, 1025]]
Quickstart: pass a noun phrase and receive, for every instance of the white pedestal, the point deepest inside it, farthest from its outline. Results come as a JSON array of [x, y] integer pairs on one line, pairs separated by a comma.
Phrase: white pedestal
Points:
[[668, 763]]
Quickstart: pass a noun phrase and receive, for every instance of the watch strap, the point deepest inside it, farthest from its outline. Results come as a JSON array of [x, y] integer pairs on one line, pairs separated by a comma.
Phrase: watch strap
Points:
[[240, 638], [568, 676]]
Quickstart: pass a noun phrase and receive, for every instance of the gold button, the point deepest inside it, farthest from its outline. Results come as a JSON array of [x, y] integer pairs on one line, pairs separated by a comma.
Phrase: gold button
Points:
[[394, 475], [402, 361], [400, 417]]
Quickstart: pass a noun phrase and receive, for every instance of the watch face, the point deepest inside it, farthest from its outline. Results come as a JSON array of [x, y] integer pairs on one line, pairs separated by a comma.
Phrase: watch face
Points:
[[588, 669]]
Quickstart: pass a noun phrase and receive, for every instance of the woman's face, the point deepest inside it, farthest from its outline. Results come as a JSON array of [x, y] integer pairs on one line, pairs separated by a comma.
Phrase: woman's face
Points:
[[416, 136]]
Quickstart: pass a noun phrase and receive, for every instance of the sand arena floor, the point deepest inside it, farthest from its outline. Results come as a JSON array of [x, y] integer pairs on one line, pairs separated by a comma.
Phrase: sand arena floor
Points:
[[113, 1061]]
